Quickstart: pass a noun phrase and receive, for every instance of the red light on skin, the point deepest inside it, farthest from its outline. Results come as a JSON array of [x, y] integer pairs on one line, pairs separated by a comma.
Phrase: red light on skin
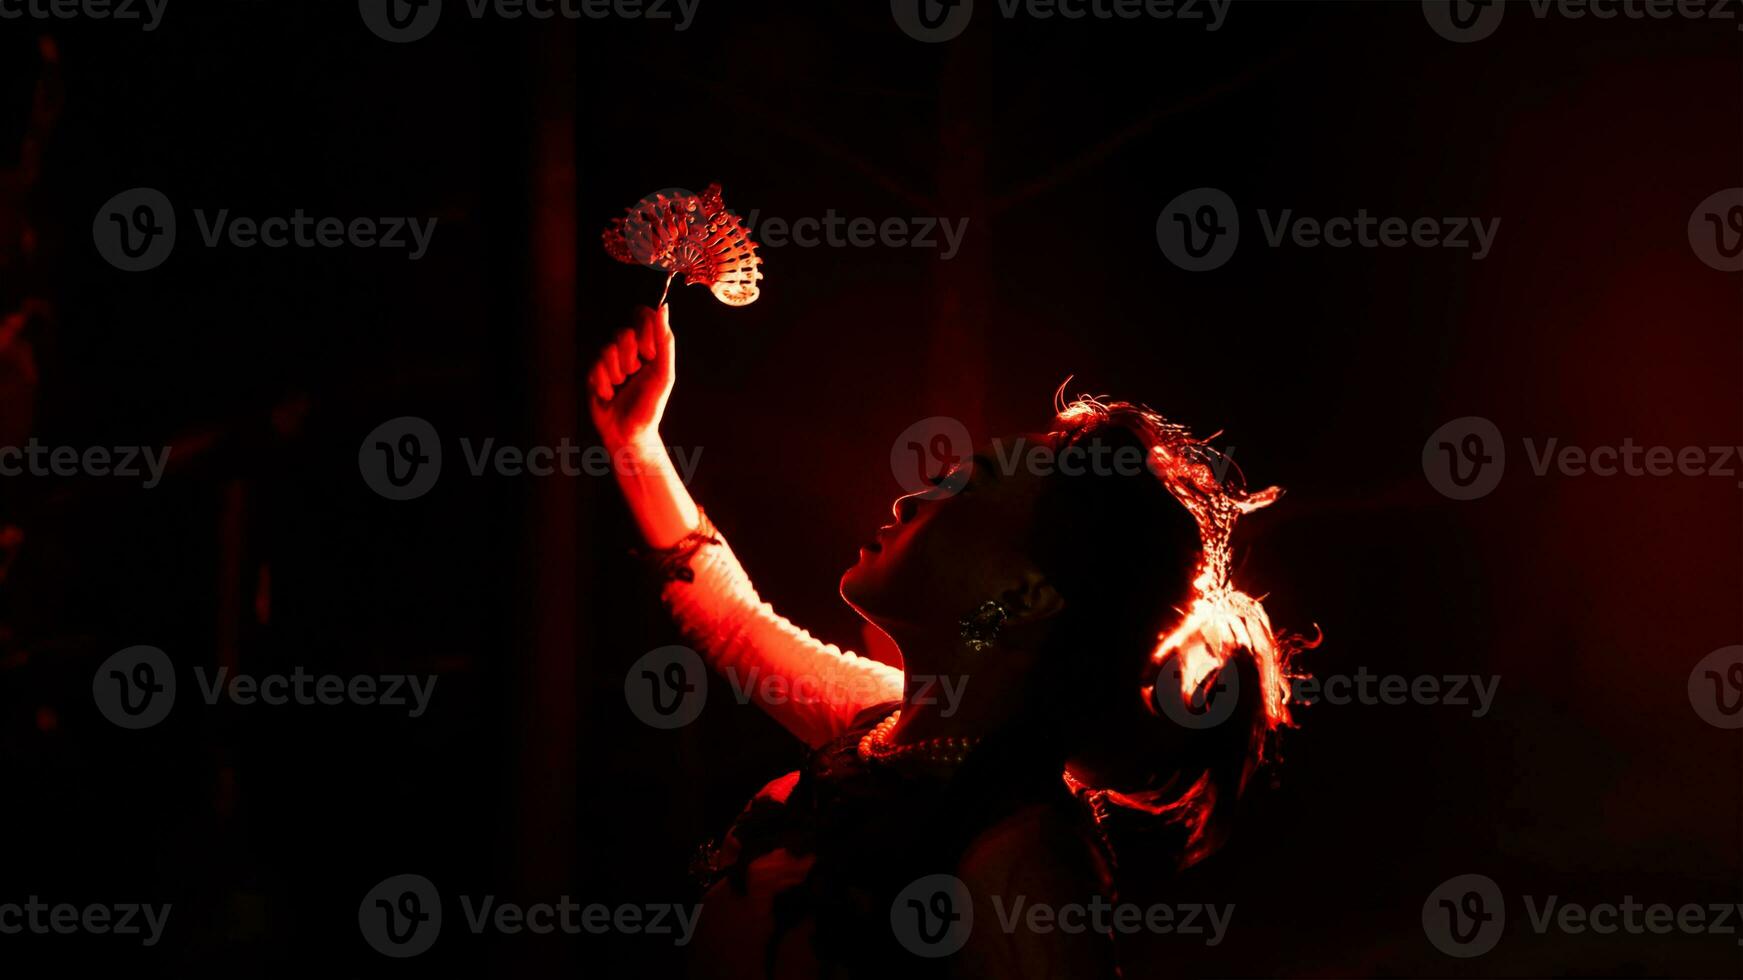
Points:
[[48, 721]]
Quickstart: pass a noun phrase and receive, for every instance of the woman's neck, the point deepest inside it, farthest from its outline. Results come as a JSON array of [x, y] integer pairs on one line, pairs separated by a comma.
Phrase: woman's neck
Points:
[[952, 693]]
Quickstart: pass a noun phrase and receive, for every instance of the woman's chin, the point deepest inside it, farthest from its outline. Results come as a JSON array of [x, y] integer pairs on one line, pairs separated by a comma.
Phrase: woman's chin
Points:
[[853, 583], [860, 585]]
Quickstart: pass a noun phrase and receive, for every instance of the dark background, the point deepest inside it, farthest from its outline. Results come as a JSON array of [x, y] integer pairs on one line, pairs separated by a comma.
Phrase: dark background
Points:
[[1060, 142]]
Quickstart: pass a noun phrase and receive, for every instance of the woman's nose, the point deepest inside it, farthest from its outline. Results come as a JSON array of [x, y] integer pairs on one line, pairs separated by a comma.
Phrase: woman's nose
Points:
[[904, 507]]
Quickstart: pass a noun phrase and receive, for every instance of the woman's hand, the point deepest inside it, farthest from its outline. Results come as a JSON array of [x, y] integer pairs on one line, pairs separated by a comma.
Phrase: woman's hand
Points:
[[627, 392], [631, 381]]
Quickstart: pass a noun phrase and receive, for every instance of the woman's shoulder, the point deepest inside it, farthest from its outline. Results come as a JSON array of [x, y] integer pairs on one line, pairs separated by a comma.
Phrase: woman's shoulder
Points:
[[1038, 844], [1033, 879]]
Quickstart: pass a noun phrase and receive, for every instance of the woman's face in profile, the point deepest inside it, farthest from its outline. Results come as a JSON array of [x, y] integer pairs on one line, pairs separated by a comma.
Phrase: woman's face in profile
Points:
[[951, 547]]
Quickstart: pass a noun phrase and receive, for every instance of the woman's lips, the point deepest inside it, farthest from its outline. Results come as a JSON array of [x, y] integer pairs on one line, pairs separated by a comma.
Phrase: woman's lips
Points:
[[876, 544]]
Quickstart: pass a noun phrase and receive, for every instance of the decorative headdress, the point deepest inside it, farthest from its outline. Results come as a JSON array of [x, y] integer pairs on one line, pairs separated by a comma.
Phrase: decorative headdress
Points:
[[1220, 621]]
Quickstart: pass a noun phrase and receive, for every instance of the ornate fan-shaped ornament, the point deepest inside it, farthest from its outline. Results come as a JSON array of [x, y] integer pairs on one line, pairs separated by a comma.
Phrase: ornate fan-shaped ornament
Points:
[[689, 235]]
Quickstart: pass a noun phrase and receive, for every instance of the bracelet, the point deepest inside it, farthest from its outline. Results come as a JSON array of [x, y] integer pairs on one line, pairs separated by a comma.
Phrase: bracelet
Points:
[[673, 564]]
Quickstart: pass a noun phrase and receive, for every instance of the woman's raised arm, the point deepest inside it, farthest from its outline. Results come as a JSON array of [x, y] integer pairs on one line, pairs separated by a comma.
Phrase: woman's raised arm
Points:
[[812, 688]]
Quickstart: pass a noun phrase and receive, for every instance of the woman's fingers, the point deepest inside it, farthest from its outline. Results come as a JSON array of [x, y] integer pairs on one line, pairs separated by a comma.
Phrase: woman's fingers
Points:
[[627, 358], [664, 342], [600, 384], [644, 337], [608, 360], [629, 351]]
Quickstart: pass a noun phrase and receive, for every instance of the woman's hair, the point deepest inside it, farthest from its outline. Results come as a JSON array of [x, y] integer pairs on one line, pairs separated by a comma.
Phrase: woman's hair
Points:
[[1134, 533]]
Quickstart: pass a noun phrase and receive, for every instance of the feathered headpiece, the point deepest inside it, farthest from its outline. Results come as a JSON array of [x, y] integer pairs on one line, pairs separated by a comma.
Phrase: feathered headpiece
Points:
[[1219, 622]]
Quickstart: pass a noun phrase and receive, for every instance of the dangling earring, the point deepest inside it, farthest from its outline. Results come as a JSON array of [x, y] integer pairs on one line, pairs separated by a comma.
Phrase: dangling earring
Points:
[[981, 628]]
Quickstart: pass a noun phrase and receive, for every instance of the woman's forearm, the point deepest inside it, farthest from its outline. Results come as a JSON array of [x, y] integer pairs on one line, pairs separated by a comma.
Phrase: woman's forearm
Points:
[[658, 500], [821, 687], [814, 689]]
